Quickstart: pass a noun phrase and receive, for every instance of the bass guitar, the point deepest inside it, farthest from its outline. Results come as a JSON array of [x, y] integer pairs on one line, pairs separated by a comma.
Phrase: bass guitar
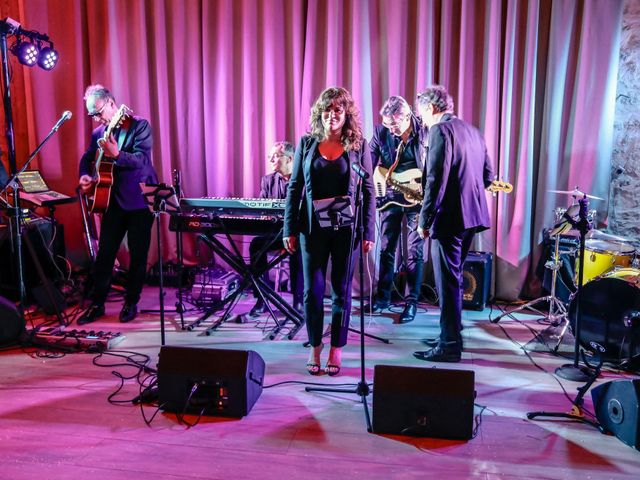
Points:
[[98, 199], [409, 183]]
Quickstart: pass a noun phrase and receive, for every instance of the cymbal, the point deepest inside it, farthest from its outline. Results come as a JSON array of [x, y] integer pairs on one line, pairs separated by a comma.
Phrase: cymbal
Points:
[[576, 193], [607, 237]]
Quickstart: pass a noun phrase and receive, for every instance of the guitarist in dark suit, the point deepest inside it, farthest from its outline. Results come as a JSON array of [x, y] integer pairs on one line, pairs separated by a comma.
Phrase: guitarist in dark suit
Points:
[[397, 147], [454, 209], [129, 148]]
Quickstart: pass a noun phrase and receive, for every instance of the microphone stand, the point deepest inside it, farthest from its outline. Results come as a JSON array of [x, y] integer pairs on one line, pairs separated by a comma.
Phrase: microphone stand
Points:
[[16, 213], [362, 389]]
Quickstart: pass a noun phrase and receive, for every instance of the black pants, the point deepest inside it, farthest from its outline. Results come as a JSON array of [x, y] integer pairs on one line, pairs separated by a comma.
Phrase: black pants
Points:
[[448, 254], [258, 249], [117, 222], [322, 246], [390, 229]]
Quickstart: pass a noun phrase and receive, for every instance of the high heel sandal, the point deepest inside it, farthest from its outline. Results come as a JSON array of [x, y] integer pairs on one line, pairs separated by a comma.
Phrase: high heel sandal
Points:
[[314, 367], [332, 369]]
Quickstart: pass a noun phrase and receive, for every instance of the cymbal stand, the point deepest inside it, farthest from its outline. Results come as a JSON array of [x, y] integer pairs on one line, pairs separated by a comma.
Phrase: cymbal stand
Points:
[[557, 314], [575, 371]]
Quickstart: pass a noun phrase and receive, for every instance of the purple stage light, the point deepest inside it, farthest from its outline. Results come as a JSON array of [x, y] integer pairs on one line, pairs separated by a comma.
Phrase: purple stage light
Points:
[[48, 58], [27, 53]]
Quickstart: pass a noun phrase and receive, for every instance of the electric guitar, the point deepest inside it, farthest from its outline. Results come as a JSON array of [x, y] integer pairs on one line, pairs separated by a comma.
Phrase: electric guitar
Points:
[[409, 183], [98, 199]]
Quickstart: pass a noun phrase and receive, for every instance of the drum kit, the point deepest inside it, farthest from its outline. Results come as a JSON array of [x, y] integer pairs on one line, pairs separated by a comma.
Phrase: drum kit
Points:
[[608, 298]]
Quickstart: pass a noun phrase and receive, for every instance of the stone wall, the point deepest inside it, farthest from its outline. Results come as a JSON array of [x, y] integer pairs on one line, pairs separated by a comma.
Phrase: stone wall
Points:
[[624, 204]]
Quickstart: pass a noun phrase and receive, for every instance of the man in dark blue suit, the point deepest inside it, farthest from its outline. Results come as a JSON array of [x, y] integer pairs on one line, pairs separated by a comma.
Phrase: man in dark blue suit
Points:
[[454, 209], [129, 148]]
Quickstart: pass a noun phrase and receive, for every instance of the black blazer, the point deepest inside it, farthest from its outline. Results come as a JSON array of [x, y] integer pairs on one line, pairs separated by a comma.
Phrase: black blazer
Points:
[[299, 205], [458, 171]]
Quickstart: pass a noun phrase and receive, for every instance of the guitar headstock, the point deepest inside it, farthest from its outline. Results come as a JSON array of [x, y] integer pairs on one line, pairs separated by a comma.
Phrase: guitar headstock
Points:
[[500, 186], [121, 114]]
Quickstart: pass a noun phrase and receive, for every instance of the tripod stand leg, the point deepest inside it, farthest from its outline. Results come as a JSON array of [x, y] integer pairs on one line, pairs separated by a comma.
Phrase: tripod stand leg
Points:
[[528, 306]]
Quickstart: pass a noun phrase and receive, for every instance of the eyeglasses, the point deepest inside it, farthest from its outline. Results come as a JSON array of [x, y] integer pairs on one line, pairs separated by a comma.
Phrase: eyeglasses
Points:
[[99, 112], [395, 121]]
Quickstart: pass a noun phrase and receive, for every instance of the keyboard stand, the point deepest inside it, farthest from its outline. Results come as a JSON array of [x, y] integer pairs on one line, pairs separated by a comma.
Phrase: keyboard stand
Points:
[[250, 276]]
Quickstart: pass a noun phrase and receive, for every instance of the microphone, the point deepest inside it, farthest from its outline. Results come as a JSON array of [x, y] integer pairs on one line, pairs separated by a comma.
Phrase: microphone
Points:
[[360, 171], [66, 115]]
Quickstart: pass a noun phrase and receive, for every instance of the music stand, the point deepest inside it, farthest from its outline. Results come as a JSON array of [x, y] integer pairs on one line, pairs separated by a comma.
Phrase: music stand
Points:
[[160, 198]]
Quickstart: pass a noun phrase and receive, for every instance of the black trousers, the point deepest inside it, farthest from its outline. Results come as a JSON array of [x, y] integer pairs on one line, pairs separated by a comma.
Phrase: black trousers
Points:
[[258, 249], [117, 222], [322, 246], [448, 254], [390, 229]]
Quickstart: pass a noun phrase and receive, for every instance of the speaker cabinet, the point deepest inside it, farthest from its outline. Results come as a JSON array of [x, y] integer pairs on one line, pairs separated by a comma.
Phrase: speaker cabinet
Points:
[[209, 381], [423, 402], [476, 280], [12, 325], [617, 410]]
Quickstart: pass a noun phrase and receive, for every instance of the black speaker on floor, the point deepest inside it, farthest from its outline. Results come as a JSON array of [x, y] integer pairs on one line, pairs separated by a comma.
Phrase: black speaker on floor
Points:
[[617, 409], [423, 402], [209, 381], [476, 280], [12, 325]]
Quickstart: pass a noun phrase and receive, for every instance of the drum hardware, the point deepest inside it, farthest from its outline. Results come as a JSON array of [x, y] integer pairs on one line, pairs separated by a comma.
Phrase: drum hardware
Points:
[[575, 371], [557, 313]]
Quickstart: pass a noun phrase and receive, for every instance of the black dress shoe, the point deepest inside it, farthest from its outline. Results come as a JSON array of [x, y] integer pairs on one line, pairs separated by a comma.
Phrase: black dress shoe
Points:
[[409, 313], [128, 312], [439, 354], [91, 314], [377, 306], [258, 309]]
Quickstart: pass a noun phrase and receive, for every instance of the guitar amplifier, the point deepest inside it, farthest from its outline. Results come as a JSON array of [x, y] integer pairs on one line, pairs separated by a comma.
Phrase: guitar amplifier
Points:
[[476, 280]]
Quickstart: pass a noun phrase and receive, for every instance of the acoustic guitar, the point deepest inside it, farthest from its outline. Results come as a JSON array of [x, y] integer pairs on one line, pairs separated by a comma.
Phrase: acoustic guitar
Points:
[[98, 199]]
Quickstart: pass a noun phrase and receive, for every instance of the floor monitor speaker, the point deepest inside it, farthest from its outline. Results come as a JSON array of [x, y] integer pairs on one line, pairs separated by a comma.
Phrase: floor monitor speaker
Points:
[[423, 402], [12, 324], [617, 410], [209, 381]]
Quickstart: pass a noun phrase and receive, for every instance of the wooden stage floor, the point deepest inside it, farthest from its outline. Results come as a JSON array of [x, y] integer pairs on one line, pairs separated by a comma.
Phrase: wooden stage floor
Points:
[[57, 423]]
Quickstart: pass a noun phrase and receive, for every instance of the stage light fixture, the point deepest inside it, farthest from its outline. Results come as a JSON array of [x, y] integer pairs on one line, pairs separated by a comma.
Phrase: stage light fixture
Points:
[[48, 58], [26, 52]]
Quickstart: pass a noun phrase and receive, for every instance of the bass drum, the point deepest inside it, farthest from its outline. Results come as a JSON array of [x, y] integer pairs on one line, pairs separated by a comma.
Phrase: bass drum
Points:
[[610, 315]]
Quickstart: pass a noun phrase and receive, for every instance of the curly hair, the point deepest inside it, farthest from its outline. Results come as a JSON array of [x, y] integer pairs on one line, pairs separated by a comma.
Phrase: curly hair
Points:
[[351, 137], [437, 96]]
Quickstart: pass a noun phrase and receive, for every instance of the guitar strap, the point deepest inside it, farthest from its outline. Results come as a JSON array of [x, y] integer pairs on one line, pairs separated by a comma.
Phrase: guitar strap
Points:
[[399, 151], [122, 134]]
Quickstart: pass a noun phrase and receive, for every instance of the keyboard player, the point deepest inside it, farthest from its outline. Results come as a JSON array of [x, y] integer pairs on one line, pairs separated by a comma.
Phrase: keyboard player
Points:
[[274, 185]]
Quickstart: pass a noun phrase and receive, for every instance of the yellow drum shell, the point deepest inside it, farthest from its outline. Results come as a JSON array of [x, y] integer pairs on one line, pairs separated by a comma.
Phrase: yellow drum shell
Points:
[[600, 256], [628, 274]]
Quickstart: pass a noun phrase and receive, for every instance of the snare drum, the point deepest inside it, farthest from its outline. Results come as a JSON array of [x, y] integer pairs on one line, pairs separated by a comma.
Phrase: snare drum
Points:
[[600, 256], [610, 314]]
